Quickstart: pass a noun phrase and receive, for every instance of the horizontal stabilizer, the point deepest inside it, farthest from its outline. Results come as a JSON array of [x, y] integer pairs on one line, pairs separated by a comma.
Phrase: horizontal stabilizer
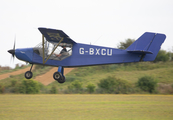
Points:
[[140, 52]]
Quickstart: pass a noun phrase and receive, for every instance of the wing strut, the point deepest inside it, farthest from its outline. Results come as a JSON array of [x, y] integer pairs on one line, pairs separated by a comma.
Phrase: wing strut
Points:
[[43, 47], [52, 51]]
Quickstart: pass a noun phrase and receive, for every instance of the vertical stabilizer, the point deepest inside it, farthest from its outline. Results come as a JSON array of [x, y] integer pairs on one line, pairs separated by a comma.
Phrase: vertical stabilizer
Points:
[[148, 45]]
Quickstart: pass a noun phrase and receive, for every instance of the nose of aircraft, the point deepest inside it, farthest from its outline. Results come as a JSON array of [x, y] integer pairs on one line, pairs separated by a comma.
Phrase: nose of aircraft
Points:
[[24, 54], [12, 51]]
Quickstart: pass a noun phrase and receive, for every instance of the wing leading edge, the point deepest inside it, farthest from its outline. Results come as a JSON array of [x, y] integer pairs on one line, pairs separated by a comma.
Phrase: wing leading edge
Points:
[[54, 35]]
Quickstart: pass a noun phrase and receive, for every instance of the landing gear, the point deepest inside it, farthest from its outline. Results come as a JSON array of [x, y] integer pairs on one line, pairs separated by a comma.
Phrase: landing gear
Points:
[[28, 74], [58, 76]]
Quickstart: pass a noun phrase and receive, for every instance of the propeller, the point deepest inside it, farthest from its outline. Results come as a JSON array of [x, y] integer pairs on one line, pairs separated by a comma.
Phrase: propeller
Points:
[[12, 51]]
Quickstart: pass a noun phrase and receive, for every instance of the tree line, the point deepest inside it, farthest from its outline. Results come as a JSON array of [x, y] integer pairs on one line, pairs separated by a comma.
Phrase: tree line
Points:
[[109, 85]]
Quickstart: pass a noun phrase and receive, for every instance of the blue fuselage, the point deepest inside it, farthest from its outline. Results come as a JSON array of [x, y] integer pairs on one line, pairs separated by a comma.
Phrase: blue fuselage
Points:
[[82, 55]]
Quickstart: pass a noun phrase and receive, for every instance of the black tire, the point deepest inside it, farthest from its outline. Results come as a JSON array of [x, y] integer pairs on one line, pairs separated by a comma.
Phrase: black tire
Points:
[[58, 77], [28, 75], [63, 79]]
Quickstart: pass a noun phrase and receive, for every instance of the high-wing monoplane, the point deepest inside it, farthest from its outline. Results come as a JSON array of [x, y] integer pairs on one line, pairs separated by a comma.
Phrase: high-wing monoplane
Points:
[[58, 49]]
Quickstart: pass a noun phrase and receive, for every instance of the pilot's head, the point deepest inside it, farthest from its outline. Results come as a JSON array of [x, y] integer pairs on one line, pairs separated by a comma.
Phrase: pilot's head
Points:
[[63, 46]]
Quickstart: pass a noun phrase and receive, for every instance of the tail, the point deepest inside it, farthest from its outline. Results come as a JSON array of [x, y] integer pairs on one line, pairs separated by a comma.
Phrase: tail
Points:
[[148, 45]]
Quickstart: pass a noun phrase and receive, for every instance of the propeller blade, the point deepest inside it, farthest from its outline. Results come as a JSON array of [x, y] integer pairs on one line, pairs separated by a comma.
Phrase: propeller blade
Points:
[[11, 58], [14, 44], [12, 51]]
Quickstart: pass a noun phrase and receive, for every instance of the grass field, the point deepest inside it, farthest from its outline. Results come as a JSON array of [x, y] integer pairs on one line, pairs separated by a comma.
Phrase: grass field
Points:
[[89, 107]]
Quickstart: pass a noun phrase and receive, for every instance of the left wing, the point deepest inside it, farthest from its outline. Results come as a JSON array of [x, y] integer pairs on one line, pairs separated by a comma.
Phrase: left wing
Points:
[[54, 35]]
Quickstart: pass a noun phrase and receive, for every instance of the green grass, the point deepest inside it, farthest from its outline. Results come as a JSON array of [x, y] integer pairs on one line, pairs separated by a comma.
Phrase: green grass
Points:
[[89, 107]]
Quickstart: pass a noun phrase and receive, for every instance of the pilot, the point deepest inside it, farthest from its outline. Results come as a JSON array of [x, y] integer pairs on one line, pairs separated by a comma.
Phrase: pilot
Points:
[[64, 50]]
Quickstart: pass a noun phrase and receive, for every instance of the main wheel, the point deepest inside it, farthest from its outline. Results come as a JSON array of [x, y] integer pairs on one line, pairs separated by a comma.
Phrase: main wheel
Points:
[[62, 80], [58, 77], [28, 75]]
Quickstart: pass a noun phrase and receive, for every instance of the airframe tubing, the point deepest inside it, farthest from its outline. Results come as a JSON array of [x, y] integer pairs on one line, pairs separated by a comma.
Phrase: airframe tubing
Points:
[[43, 47], [61, 70], [53, 50]]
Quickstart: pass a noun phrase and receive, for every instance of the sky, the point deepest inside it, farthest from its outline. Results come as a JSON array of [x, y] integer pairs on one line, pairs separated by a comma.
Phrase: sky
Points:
[[97, 22]]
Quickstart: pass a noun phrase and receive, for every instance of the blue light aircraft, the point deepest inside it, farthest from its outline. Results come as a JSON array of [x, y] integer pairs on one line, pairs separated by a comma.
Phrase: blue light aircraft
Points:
[[145, 48]]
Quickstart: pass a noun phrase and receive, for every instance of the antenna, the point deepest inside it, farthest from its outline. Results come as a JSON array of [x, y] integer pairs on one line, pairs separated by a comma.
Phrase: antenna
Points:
[[97, 39]]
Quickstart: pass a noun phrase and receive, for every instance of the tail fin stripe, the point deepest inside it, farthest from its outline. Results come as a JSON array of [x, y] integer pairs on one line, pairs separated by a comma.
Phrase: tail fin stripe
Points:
[[151, 41]]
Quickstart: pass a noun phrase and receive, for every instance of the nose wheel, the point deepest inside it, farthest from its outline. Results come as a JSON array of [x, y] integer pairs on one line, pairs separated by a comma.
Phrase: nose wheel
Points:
[[28, 74]]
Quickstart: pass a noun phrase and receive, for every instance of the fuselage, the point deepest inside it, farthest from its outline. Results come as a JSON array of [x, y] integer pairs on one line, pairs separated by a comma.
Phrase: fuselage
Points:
[[82, 55]]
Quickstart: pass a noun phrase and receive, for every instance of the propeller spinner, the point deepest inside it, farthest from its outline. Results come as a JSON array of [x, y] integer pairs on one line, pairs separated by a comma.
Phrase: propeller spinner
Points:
[[12, 51]]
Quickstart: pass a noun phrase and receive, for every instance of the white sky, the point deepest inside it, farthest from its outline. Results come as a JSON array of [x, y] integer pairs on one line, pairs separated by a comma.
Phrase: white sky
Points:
[[99, 22]]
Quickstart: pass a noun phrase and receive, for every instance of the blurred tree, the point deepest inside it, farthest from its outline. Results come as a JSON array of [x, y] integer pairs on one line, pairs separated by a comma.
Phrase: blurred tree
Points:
[[114, 85], [90, 88], [2, 89], [147, 84], [75, 86], [53, 90], [29, 87], [162, 56], [126, 44]]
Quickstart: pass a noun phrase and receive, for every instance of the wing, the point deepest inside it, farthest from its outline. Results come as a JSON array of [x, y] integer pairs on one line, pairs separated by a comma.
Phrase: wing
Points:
[[54, 35]]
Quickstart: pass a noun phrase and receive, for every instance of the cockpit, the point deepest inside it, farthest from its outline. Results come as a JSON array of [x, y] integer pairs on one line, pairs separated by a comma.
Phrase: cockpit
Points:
[[53, 50], [53, 43]]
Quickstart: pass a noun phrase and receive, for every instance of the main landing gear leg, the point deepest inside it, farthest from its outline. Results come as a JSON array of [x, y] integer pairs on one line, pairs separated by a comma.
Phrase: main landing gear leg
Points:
[[59, 76], [28, 74]]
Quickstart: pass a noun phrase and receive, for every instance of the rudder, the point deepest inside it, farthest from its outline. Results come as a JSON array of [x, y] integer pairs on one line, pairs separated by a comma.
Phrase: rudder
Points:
[[155, 47]]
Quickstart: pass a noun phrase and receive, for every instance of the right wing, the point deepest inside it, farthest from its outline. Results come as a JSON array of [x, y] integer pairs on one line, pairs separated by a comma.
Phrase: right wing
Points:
[[54, 35]]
